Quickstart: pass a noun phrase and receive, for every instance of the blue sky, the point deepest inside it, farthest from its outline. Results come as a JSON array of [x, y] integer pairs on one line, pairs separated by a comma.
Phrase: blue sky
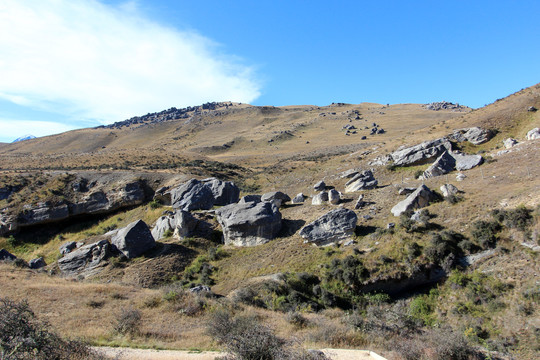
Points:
[[68, 64]]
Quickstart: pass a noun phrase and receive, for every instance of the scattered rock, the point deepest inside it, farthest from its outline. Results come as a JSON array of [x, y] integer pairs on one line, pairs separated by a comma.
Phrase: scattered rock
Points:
[[532, 109], [421, 153], [320, 198], [298, 199], [443, 165], [474, 135], [225, 192], [363, 181], [6, 255], [334, 197], [418, 199], [449, 189], [466, 162], [250, 198], [276, 197], [163, 225], [200, 289], [67, 247], [333, 227], [509, 143], [444, 105], [320, 186], [193, 195], [37, 263], [360, 203], [348, 174], [406, 190], [533, 134], [183, 224], [249, 224], [85, 259], [460, 177], [134, 240], [390, 225]]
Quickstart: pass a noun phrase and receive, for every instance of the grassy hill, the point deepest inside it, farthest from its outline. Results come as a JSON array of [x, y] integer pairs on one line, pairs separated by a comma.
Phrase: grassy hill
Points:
[[492, 304]]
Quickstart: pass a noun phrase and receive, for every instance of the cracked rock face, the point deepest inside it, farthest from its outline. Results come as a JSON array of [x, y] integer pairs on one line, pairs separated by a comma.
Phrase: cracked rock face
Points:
[[362, 181], [134, 240], [443, 165], [420, 198], [422, 153], [335, 226], [249, 223], [86, 259]]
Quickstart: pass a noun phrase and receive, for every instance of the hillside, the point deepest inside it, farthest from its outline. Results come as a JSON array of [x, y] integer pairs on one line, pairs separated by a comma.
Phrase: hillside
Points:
[[465, 272]]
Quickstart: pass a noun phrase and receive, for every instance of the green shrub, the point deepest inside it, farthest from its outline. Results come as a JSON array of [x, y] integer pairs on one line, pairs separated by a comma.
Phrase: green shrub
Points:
[[128, 322], [518, 218], [485, 233], [155, 204]]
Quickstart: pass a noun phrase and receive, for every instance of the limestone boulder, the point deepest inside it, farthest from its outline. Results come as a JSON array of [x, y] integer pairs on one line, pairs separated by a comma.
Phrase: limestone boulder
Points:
[[192, 195], [320, 186], [298, 199], [180, 223], [134, 240], [276, 197], [467, 162], [422, 153], [510, 143], [362, 181], [448, 190], [6, 255], [85, 259], [37, 263], [533, 134], [250, 223], [42, 213], [420, 198], [475, 135], [225, 192], [250, 198], [320, 198], [334, 197], [333, 227], [443, 165], [67, 247]]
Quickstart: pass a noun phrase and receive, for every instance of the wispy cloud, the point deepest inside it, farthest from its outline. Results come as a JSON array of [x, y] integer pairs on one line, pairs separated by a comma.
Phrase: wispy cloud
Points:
[[14, 128], [86, 59]]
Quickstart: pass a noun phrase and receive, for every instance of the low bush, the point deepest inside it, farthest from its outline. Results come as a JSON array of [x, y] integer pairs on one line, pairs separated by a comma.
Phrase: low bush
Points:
[[519, 218], [23, 336], [484, 233], [128, 322]]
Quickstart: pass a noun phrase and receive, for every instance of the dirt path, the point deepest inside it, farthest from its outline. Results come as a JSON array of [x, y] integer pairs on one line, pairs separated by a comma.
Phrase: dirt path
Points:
[[146, 354]]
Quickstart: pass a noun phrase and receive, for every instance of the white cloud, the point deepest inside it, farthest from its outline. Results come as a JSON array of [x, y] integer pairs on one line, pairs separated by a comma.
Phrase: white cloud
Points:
[[12, 129], [86, 59]]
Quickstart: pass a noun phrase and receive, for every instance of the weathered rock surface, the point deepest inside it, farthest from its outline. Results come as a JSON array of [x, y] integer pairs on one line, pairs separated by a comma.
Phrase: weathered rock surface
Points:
[[193, 195], [320, 198], [360, 203], [533, 134], [320, 186], [298, 199], [348, 174], [134, 240], [421, 153], [418, 199], [6, 255], [406, 190], [225, 192], [363, 181], [510, 143], [85, 259], [181, 223], [334, 197], [333, 227], [443, 165], [276, 197], [67, 247], [466, 162], [448, 189], [37, 263], [42, 213], [249, 224], [474, 135], [250, 198]]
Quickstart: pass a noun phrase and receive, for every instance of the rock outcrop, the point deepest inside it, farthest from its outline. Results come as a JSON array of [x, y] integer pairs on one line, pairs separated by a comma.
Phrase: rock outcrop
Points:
[[443, 165], [467, 162], [6, 255], [85, 259], [362, 181], [134, 240], [225, 192], [250, 198], [276, 197], [333, 227], [421, 153], [420, 198], [192, 195], [37, 263], [181, 224], [474, 135], [533, 134], [250, 223]]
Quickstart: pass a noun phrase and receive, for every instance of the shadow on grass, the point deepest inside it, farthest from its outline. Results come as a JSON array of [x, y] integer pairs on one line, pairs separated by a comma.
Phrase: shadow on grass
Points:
[[290, 227]]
